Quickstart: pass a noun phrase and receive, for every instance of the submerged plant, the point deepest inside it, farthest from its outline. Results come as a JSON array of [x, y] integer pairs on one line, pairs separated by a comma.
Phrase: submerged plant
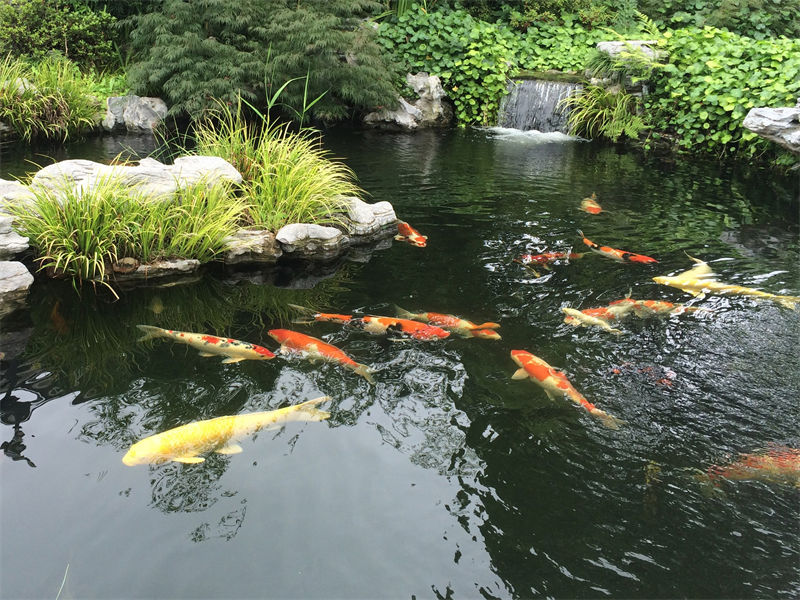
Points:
[[598, 112], [289, 177]]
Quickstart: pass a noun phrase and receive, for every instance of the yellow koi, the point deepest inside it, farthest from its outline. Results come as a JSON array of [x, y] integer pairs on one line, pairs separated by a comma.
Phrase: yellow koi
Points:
[[184, 443], [699, 280]]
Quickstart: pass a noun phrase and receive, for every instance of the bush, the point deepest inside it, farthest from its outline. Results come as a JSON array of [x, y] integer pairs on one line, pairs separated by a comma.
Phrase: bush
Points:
[[598, 112], [37, 28], [52, 99], [193, 54], [712, 80]]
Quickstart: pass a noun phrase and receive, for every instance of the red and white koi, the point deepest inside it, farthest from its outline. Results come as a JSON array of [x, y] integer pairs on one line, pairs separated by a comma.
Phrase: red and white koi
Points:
[[316, 349], [210, 345], [591, 317], [650, 308], [556, 385], [378, 325], [590, 205], [462, 327], [614, 253], [776, 465], [406, 233]]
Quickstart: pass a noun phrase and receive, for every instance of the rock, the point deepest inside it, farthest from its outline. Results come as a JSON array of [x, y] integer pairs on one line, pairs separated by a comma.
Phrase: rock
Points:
[[13, 192], [249, 246], [160, 269], [133, 113], [125, 265], [316, 242], [364, 222], [15, 281], [11, 243], [614, 48], [780, 125], [430, 109], [151, 177]]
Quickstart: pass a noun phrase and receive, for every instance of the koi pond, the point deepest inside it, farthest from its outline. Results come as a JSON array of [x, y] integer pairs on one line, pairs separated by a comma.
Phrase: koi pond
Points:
[[446, 478]]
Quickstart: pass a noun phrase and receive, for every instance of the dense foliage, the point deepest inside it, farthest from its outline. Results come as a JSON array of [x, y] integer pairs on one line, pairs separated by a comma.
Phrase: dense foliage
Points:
[[474, 58], [36, 28], [194, 53], [713, 78]]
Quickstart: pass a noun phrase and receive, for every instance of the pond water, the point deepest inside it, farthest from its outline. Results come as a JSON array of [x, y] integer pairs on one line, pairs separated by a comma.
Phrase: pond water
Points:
[[447, 478]]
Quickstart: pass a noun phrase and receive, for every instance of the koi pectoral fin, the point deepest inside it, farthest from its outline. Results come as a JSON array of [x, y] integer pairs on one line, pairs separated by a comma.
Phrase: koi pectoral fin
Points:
[[520, 374], [189, 459], [229, 449], [207, 354], [233, 359]]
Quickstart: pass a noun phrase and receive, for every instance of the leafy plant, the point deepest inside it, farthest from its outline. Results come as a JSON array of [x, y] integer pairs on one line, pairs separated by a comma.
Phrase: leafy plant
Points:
[[598, 112]]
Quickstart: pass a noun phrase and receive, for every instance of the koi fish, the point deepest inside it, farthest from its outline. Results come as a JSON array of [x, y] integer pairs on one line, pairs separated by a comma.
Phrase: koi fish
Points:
[[406, 233], [377, 325], [556, 384], [777, 465], [590, 205], [615, 254], [531, 261], [220, 435], [699, 280], [210, 345], [589, 317], [452, 323], [292, 341], [649, 308]]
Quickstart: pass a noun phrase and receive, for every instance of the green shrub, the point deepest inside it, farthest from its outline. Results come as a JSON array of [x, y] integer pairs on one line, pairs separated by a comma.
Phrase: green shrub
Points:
[[596, 112], [289, 178], [51, 99], [712, 80], [193, 54], [37, 28]]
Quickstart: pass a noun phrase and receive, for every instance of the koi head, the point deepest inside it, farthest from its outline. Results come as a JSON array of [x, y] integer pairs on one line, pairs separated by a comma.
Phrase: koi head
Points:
[[147, 451], [522, 357], [281, 335]]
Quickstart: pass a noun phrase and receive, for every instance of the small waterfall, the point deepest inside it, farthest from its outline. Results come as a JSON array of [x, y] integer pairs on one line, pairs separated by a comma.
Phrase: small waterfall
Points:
[[533, 104]]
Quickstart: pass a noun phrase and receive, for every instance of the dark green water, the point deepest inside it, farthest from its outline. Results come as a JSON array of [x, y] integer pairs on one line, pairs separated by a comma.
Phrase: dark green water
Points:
[[446, 479]]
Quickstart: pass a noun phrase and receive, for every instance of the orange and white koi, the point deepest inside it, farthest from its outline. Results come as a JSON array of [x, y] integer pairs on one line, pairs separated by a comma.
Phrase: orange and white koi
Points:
[[210, 345], [406, 233], [699, 280], [614, 253], [590, 205], [184, 443], [556, 385], [650, 308], [591, 317], [316, 349], [544, 260], [776, 465], [452, 323], [377, 325]]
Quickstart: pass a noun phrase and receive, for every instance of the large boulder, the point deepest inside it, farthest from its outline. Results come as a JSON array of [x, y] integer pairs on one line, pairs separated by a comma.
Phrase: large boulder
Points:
[[134, 114], [365, 222], [252, 246], [15, 281], [430, 108], [780, 125], [151, 177]]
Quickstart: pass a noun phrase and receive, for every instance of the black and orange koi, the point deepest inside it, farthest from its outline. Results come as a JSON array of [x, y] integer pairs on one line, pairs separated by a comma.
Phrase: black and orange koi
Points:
[[614, 253]]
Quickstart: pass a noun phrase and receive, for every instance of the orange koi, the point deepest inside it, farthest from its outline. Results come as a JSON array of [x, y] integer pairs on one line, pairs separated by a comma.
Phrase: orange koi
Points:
[[597, 317], [58, 321], [777, 465], [452, 323], [590, 205], [614, 253], [376, 325], [293, 341], [649, 308], [544, 260], [312, 316], [406, 233], [210, 345], [556, 384]]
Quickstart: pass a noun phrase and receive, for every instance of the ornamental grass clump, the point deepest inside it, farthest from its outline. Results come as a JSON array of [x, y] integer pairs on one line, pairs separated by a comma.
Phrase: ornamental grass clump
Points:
[[598, 112], [288, 176], [47, 100], [81, 233]]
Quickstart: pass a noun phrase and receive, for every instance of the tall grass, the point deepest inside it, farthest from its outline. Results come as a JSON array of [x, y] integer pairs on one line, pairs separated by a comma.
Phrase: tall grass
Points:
[[51, 99], [289, 177], [80, 234], [597, 112]]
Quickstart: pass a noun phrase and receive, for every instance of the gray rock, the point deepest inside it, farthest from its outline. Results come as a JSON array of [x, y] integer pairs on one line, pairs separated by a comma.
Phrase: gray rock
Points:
[[364, 222], [161, 269], [780, 125], [11, 243], [15, 281], [134, 114], [311, 241], [249, 246], [615, 48], [13, 192], [430, 109], [192, 169]]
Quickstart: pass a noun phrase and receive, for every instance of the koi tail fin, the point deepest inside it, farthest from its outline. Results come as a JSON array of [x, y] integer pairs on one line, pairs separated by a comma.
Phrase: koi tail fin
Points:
[[303, 310], [488, 325], [489, 334], [606, 419], [580, 233], [150, 332], [311, 413], [403, 313], [789, 302], [365, 372]]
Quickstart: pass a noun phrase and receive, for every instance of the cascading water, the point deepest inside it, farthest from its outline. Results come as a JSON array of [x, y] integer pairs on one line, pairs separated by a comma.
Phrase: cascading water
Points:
[[534, 104]]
